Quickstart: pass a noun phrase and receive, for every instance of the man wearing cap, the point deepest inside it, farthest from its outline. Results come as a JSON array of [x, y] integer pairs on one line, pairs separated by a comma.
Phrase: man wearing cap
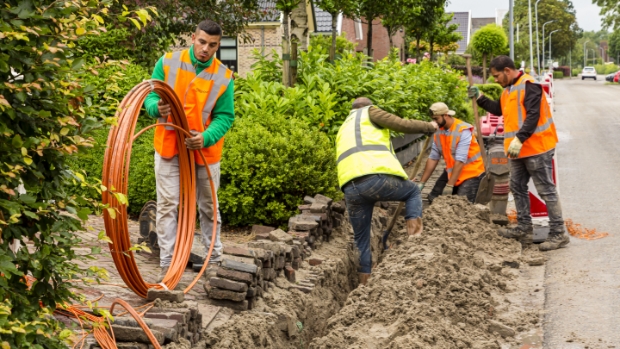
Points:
[[461, 152], [529, 141], [368, 172]]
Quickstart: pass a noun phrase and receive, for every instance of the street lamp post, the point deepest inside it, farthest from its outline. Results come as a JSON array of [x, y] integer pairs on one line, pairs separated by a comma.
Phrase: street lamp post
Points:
[[529, 10], [585, 53], [537, 28], [543, 36], [512, 29], [557, 30]]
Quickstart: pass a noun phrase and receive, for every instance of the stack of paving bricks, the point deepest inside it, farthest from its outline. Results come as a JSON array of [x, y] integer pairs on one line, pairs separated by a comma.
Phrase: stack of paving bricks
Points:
[[317, 220], [249, 270]]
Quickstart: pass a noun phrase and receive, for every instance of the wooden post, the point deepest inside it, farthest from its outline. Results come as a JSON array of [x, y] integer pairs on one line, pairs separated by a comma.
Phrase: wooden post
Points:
[[293, 63]]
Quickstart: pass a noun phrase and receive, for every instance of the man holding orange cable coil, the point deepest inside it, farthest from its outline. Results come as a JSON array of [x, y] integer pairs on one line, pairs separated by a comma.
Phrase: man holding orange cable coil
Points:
[[205, 86]]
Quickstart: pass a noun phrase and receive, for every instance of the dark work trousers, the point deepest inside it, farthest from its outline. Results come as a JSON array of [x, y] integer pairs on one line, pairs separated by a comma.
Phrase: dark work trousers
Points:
[[362, 194], [540, 169], [468, 188]]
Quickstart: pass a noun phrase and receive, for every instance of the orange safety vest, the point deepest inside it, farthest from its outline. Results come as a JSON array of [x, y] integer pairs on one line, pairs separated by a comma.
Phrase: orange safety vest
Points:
[[447, 141], [198, 93], [544, 137]]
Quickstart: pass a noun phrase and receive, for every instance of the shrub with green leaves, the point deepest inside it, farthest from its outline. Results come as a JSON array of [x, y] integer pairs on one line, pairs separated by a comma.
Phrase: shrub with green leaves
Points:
[[492, 91], [114, 80], [270, 162], [43, 124]]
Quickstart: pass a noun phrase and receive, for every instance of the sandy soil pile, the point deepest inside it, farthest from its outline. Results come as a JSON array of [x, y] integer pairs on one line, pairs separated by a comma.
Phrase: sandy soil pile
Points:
[[444, 289]]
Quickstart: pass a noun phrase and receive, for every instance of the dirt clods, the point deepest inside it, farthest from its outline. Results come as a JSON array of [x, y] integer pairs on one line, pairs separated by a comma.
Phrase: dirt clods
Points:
[[444, 289]]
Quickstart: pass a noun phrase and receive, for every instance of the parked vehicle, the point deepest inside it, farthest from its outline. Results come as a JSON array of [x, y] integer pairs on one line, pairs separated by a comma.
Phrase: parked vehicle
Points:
[[616, 76], [588, 72], [610, 77]]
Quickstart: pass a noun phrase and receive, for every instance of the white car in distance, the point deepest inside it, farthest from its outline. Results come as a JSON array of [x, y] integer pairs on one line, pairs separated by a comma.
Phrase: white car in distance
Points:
[[589, 73]]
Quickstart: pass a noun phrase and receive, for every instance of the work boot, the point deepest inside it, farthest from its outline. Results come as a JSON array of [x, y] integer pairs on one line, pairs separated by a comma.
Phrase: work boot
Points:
[[554, 241], [516, 232], [363, 278], [414, 226], [162, 273]]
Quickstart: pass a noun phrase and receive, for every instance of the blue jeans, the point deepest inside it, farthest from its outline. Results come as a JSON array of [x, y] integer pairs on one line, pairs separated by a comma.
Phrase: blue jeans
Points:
[[540, 169], [469, 187], [361, 198]]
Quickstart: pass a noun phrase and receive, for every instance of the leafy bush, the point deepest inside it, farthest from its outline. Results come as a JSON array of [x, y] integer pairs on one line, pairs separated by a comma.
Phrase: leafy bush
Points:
[[115, 81], [323, 43], [44, 124], [111, 44], [558, 75], [269, 163], [576, 71]]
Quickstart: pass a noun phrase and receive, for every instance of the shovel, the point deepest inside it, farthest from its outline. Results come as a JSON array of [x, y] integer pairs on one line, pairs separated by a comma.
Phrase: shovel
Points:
[[416, 169], [485, 190]]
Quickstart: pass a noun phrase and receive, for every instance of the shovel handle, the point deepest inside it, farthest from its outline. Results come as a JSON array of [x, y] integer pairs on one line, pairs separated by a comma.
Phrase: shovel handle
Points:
[[475, 107]]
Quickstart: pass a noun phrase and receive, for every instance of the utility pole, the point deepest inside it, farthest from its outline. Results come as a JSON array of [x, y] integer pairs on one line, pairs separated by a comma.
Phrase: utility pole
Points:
[[512, 30], [585, 53], [537, 28], [529, 10], [543, 36], [557, 30], [517, 32]]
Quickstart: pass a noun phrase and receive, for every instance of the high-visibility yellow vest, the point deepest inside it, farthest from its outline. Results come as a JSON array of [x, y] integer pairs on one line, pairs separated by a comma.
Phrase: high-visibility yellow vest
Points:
[[447, 141], [198, 93], [544, 137], [362, 149]]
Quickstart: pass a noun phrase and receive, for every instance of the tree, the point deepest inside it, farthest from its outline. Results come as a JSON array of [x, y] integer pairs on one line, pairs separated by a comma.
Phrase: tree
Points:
[[420, 17], [489, 40], [335, 7], [286, 6], [561, 12], [614, 45], [370, 10], [610, 10], [443, 35], [43, 123]]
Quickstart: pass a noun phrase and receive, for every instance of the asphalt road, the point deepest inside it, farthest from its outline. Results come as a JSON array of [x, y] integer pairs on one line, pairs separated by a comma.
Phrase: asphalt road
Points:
[[582, 281]]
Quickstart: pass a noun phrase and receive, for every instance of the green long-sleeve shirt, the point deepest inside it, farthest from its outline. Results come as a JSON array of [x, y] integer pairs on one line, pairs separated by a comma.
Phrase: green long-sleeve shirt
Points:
[[223, 113]]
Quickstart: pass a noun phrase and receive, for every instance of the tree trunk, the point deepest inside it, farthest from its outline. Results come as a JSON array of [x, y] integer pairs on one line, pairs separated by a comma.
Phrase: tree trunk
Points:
[[389, 30], [417, 48], [286, 52], [484, 68], [332, 49], [430, 47], [369, 38]]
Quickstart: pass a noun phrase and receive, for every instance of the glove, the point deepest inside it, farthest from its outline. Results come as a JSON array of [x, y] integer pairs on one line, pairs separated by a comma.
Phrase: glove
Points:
[[515, 148], [473, 92], [421, 185], [447, 190]]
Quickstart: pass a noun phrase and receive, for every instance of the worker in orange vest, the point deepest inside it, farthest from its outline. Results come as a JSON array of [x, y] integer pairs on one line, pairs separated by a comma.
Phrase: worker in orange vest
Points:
[[529, 142], [454, 141], [206, 88]]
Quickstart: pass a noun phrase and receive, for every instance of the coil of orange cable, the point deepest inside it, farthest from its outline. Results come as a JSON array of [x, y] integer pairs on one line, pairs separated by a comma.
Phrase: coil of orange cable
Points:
[[116, 175]]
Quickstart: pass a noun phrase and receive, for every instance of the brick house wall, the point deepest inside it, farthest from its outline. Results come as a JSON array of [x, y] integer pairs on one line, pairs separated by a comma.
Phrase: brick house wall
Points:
[[265, 39], [380, 39]]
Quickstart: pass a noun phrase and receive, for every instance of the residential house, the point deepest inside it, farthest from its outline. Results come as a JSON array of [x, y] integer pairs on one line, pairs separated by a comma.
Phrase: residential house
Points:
[[356, 30], [463, 20]]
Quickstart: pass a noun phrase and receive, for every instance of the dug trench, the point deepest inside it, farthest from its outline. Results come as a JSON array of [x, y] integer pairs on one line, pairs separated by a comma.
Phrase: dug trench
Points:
[[459, 285]]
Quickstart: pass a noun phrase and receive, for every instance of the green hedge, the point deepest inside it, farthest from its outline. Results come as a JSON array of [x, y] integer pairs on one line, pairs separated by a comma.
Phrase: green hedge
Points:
[[270, 162], [558, 75]]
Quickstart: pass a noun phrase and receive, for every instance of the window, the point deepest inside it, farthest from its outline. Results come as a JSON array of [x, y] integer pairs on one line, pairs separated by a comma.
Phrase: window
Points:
[[228, 52], [358, 30]]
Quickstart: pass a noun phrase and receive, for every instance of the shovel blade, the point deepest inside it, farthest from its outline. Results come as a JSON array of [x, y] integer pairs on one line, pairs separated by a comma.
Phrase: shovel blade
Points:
[[485, 190]]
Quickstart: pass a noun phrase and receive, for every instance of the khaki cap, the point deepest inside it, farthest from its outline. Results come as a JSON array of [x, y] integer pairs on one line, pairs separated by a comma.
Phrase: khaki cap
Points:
[[441, 108]]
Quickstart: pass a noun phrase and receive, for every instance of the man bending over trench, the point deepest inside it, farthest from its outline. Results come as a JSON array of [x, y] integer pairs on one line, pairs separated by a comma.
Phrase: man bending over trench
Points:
[[368, 172]]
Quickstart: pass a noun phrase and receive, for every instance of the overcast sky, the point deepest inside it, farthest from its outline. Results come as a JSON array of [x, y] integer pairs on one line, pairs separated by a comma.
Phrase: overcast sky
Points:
[[587, 13]]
